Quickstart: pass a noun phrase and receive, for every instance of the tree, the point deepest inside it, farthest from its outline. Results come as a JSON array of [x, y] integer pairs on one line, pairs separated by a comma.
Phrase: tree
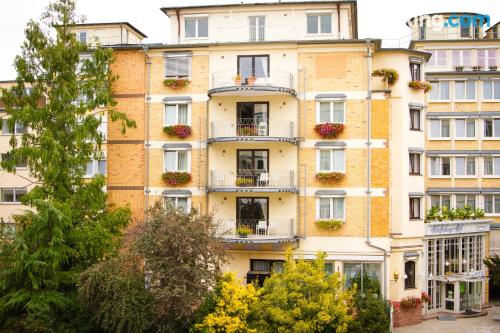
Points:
[[493, 264], [304, 298], [227, 307], [372, 315], [71, 226]]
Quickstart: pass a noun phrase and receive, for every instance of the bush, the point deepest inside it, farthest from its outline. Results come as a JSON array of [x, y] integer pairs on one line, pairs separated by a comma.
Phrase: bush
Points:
[[372, 315]]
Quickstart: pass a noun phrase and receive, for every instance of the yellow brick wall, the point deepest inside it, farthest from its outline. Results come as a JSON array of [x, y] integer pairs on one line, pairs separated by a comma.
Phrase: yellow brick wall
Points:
[[439, 107]]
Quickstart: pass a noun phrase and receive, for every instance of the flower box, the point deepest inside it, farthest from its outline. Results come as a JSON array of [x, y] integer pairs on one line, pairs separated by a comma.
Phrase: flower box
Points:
[[329, 224], [247, 131], [328, 177], [180, 131], [176, 83], [244, 182], [426, 86], [329, 130], [174, 178]]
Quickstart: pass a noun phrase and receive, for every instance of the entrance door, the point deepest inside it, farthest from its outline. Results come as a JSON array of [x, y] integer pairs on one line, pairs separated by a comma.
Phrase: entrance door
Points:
[[253, 167], [253, 119], [449, 297], [253, 213], [477, 292]]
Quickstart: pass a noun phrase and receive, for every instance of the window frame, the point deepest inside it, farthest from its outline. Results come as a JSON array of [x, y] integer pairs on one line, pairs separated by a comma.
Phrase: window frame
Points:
[[14, 195], [415, 71], [5, 156], [465, 175], [438, 89], [495, 173], [188, 157], [95, 167], [411, 212], [196, 18], [84, 33], [411, 284], [434, 60], [176, 104], [331, 111], [176, 201], [9, 133], [464, 138], [466, 91], [495, 136], [494, 84], [440, 137], [412, 125], [319, 15], [331, 210], [330, 149], [440, 167], [494, 197], [176, 56], [413, 171]]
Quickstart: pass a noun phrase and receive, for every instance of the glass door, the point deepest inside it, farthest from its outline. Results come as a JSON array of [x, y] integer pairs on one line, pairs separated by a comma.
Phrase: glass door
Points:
[[253, 213], [257, 28], [253, 119], [449, 297], [477, 292], [255, 65], [253, 167]]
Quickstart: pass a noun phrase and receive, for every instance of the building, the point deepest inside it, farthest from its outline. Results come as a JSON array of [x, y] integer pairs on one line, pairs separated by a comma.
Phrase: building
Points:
[[462, 158]]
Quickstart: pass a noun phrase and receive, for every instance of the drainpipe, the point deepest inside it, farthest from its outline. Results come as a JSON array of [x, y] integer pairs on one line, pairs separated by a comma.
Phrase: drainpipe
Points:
[[207, 170], [177, 13], [369, 164], [148, 109]]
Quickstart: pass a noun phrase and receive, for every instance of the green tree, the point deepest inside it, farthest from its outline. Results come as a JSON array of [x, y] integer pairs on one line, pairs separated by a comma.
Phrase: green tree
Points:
[[71, 226], [493, 264], [304, 298], [372, 315]]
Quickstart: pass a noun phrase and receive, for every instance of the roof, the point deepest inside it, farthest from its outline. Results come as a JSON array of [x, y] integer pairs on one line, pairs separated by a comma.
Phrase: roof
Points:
[[426, 55], [494, 25], [113, 23]]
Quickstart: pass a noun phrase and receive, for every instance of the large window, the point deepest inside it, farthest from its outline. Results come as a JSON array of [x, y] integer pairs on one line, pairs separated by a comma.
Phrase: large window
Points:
[[415, 208], [253, 213], [492, 203], [176, 160], [492, 165], [181, 203], [319, 23], [486, 58], [454, 201], [18, 128], [252, 118], [82, 37], [441, 201], [492, 128], [465, 90], [439, 128], [440, 166], [331, 112], [440, 91], [253, 166], [415, 71], [438, 58], [196, 27], [365, 275], [465, 166], [415, 119], [177, 65], [491, 89], [414, 163], [331, 160], [461, 58], [465, 128], [177, 114], [261, 269], [409, 274], [12, 195], [462, 200], [255, 65], [331, 209]]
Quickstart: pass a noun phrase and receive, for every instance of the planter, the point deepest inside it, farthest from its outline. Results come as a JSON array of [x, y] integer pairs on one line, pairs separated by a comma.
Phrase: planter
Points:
[[388, 75], [417, 85], [329, 224], [243, 232], [493, 68], [476, 68], [244, 182], [330, 177], [174, 178], [329, 130], [177, 83], [247, 131], [251, 80], [459, 68], [406, 316], [180, 131]]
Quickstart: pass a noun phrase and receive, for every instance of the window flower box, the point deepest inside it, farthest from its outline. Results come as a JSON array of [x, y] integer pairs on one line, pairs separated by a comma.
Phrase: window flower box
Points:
[[450, 214], [477, 68], [244, 182], [174, 178], [329, 224], [425, 86], [329, 177], [493, 68], [459, 68], [329, 130], [243, 231], [176, 83], [180, 131], [247, 131], [388, 75]]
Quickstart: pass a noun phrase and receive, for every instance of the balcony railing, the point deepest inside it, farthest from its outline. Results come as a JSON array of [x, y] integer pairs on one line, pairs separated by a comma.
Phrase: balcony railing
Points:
[[277, 80], [472, 64], [250, 127], [251, 179], [259, 229]]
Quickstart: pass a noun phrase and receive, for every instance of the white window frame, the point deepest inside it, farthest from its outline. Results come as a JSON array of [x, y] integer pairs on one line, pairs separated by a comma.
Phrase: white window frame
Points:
[[174, 55], [492, 99], [440, 200], [463, 61], [80, 33], [95, 168], [440, 137], [177, 150], [465, 99], [464, 138], [332, 102], [330, 149], [495, 136], [493, 213], [440, 167], [319, 14], [440, 99], [176, 198], [495, 173], [197, 18], [330, 197], [177, 103], [434, 60], [14, 190], [467, 195], [465, 157]]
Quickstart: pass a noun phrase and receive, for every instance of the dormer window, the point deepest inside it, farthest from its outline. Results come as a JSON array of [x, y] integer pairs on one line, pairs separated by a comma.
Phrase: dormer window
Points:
[[82, 37], [196, 27], [319, 23]]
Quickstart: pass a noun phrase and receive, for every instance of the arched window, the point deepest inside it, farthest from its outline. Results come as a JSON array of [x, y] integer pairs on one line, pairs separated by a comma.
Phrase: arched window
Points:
[[409, 274]]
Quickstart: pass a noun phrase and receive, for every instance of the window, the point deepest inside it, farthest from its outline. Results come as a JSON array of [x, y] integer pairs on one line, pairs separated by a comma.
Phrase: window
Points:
[[319, 23], [440, 91], [261, 269], [257, 26], [409, 274], [440, 128], [492, 166], [486, 58], [462, 200], [257, 66], [492, 128], [18, 128], [421, 30], [415, 71], [438, 58], [492, 203], [491, 89], [20, 164], [441, 201], [176, 160], [177, 65], [12, 195], [465, 128], [415, 119], [465, 166], [331, 160], [82, 37], [464, 30], [440, 166], [95, 167], [414, 164], [331, 112], [365, 275], [331, 209], [461, 58], [177, 114], [196, 27], [180, 203], [465, 90], [415, 208]]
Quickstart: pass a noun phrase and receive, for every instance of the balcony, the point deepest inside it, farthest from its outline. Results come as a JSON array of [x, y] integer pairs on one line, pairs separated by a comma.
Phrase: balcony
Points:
[[249, 180], [466, 65], [251, 129], [275, 82], [440, 228]]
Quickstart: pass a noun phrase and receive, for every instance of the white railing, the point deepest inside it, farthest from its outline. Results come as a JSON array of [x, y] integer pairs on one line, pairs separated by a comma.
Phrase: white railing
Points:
[[259, 229], [468, 64], [258, 33], [275, 78], [252, 179], [250, 127]]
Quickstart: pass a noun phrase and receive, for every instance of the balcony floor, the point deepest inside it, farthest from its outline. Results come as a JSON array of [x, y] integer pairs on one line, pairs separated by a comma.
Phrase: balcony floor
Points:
[[251, 91]]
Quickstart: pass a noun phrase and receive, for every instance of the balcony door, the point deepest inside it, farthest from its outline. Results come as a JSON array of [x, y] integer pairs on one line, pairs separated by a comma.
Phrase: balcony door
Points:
[[253, 213], [253, 166], [257, 26], [253, 119], [256, 65]]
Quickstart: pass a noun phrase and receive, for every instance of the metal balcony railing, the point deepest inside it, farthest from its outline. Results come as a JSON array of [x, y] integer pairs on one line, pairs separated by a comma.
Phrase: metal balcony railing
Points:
[[274, 79], [250, 127], [259, 229], [250, 178], [466, 64]]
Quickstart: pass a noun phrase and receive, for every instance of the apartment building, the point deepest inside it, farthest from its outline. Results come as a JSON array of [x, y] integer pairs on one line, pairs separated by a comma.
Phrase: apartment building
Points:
[[462, 158]]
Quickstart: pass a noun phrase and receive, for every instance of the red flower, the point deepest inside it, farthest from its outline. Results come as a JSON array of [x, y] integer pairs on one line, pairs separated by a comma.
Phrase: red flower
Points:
[[180, 131], [329, 130]]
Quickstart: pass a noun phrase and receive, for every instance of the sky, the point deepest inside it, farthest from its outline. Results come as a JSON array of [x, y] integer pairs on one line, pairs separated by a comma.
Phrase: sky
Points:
[[376, 18]]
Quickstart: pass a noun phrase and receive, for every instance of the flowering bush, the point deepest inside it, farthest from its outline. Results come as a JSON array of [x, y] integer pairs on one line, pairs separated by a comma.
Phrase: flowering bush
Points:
[[425, 297], [180, 131], [426, 86], [176, 178], [176, 83], [410, 302], [327, 177], [329, 130], [329, 224]]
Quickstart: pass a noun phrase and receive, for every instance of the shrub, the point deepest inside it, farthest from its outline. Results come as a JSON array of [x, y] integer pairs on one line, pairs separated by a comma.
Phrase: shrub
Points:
[[391, 76], [329, 130], [177, 83], [372, 315], [327, 177], [426, 298], [180, 131], [243, 231], [426, 86], [329, 224], [176, 178], [410, 302]]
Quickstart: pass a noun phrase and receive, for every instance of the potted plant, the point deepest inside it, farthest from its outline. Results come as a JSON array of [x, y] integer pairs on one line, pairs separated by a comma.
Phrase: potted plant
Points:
[[476, 68], [459, 68], [426, 86], [433, 214], [448, 214], [247, 131], [237, 80], [328, 177], [176, 83], [251, 80], [243, 231], [329, 224], [389, 76], [411, 302], [244, 182], [460, 213], [329, 130], [478, 213], [174, 178], [468, 212], [180, 131], [493, 68]]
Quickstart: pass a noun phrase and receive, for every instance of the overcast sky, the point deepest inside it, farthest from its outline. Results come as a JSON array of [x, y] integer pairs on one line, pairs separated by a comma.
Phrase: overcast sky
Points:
[[376, 18]]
